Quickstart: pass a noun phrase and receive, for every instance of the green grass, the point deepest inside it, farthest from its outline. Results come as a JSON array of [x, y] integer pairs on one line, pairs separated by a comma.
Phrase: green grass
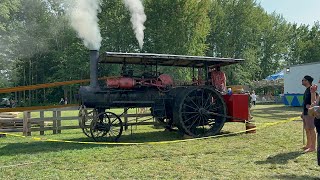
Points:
[[271, 153]]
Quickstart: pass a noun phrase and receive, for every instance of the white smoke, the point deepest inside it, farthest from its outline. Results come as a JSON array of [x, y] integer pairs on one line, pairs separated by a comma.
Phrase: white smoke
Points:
[[138, 17], [84, 19]]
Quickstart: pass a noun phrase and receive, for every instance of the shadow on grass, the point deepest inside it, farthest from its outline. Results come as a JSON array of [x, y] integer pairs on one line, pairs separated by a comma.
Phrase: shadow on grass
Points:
[[282, 158], [283, 107], [156, 136], [12, 149], [277, 113], [274, 117], [294, 177]]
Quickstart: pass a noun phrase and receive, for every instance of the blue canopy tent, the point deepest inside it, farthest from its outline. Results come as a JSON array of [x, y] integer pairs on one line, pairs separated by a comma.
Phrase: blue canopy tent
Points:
[[275, 81], [277, 76], [288, 99]]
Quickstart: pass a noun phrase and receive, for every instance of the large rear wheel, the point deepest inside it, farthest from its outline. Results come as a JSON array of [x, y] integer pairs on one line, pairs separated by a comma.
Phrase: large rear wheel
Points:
[[199, 111]]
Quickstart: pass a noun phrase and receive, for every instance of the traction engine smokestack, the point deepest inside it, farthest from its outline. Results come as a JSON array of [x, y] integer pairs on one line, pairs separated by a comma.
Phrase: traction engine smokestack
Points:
[[94, 58]]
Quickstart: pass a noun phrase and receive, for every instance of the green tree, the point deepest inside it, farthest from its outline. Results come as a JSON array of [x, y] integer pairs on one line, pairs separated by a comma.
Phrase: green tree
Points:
[[313, 44], [236, 32], [297, 44], [8, 10], [274, 45], [179, 27], [37, 44]]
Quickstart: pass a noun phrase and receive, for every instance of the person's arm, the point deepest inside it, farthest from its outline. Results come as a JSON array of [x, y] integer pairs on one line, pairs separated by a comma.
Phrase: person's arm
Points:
[[313, 90], [314, 110], [317, 112], [314, 101]]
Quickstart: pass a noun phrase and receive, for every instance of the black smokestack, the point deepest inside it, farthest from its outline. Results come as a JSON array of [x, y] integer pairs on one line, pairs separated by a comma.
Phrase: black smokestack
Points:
[[94, 58]]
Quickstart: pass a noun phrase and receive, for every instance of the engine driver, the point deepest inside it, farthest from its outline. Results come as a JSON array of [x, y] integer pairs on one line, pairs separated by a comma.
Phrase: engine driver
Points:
[[218, 79]]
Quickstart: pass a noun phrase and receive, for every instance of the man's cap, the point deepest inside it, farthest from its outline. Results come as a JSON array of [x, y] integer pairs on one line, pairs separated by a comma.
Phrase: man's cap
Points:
[[308, 78]]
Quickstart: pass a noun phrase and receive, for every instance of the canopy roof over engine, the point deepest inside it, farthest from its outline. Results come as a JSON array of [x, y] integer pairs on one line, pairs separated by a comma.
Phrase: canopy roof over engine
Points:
[[165, 60]]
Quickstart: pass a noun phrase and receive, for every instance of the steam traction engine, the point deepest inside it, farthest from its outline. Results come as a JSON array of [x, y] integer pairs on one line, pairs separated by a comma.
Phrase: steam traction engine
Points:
[[196, 109]]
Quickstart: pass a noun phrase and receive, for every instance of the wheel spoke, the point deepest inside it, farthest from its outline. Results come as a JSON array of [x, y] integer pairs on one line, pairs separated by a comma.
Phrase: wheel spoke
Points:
[[193, 122], [217, 114], [189, 112], [203, 129], [202, 93], [115, 134], [115, 119], [107, 117], [208, 99], [116, 131], [191, 107], [215, 106], [193, 101], [106, 124], [112, 133], [214, 102], [208, 106], [85, 119], [190, 118], [218, 108], [193, 118]]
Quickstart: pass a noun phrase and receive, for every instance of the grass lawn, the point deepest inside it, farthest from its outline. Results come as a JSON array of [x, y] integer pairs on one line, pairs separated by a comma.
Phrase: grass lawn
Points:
[[271, 153]]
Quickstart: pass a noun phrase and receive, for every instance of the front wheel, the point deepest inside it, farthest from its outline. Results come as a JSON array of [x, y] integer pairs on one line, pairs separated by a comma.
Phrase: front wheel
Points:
[[106, 126], [85, 119]]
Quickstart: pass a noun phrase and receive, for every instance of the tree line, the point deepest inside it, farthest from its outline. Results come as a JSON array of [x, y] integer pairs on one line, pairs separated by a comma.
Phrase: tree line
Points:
[[37, 44]]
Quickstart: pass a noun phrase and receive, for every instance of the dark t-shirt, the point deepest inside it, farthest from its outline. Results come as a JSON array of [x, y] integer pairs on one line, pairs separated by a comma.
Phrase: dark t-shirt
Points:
[[306, 100]]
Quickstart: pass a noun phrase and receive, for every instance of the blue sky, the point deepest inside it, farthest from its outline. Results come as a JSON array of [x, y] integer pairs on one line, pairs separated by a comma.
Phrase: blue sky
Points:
[[299, 11]]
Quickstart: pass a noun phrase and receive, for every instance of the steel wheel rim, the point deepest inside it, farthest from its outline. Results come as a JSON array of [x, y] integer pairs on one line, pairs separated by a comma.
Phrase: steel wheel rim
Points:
[[85, 118], [87, 122], [106, 126], [196, 108]]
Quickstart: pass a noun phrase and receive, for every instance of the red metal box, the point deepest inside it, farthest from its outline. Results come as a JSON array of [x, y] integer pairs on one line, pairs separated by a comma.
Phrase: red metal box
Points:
[[237, 106]]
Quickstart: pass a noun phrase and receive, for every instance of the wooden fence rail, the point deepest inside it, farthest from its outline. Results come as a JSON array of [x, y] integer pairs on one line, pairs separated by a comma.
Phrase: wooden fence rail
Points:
[[51, 120]]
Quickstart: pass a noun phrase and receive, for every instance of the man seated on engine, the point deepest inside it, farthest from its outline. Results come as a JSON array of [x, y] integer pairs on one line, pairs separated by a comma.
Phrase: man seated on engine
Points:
[[218, 79]]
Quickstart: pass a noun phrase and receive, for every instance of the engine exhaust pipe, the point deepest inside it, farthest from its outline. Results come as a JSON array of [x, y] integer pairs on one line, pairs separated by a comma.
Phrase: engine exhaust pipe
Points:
[[94, 58]]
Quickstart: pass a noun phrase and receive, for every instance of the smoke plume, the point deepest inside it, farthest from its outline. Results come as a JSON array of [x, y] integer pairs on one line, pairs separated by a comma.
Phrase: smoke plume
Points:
[[138, 17], [83, 17]]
